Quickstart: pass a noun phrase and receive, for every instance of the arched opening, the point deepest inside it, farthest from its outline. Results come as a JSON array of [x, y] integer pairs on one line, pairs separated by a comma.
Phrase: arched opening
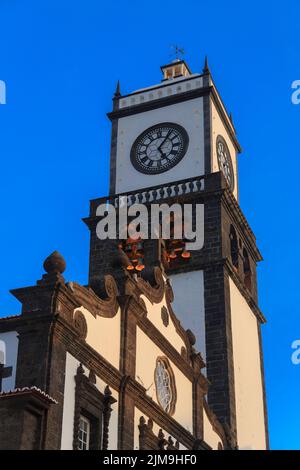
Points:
[[234, 250], [247, 270], [176, 253], [134, 250]]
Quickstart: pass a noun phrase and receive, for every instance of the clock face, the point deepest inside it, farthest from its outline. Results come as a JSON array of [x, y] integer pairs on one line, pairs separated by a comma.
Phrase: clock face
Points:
[[159, 148], [224, 160]]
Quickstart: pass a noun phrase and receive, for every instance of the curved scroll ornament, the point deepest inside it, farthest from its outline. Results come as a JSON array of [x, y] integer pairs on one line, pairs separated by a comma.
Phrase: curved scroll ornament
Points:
[[111, 287], [86, 297], [80, 324], [154, 293]]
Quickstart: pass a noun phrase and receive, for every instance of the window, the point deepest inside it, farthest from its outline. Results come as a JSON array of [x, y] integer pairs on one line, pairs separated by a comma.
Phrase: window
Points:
[[165, 385], [84, 433], [234, 251], [247, 270]]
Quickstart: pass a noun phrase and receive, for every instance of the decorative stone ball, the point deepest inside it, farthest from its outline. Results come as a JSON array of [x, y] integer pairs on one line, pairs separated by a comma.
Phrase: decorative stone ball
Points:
[[55, 263]]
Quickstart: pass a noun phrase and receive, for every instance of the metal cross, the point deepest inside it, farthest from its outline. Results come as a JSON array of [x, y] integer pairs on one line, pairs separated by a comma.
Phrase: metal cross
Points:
[[177, 51]]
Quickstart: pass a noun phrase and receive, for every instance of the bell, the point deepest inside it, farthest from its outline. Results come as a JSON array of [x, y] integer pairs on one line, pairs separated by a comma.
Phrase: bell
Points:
[[185, 254], [140, 265], [172, 254]]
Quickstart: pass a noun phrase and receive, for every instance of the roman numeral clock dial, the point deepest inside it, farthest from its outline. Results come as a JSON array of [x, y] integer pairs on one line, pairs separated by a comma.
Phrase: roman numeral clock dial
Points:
[[159, 148], [225, 162]]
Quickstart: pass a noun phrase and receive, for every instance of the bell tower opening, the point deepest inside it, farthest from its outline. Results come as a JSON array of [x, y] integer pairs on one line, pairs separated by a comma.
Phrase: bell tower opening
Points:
[[177, 68]]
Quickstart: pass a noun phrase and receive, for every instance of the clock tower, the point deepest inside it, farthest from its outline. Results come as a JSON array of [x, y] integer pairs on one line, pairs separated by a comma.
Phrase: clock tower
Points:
[[175, 142], [201, 140]]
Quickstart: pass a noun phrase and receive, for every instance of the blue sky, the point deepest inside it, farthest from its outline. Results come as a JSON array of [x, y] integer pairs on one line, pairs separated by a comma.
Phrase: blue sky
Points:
[[61, 60]]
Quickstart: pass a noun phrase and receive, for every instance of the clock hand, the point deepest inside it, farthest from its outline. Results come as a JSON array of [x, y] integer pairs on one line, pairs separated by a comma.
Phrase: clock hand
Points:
[[160, 151], [159, 148]]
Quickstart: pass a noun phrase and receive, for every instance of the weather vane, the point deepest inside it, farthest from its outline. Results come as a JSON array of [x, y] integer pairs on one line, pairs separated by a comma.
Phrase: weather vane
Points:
[[177, 52]]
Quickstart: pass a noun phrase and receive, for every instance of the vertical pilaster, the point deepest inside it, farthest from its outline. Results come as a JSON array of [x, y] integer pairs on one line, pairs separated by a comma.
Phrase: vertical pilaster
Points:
[[219, 352], [207, 120], [127, 369]]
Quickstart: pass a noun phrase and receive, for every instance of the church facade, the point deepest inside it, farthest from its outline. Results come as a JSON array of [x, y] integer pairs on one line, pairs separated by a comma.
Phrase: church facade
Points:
[[161, 350]]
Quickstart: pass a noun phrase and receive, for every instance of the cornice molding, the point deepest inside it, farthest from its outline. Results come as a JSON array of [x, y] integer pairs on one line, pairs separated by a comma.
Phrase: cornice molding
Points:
[[151, 409], [86, 354], [163, 344], [178, 98], [163, 85]]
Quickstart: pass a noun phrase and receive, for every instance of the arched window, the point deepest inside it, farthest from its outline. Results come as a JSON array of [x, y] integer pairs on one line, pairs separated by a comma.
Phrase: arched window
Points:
[[247, 270], [234, 250]]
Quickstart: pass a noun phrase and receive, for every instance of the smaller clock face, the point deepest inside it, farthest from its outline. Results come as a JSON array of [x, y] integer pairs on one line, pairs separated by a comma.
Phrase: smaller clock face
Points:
[[225, 162], [159, 148]]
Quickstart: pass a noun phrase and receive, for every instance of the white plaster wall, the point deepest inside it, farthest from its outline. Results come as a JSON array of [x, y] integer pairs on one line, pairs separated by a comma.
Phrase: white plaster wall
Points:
[[11, 343], [69, 405], [210, 436], [188, 304], [188, 114], [146, 355], [218, 128], [104, 335], [156, 428], [169, 332], [247, 373]]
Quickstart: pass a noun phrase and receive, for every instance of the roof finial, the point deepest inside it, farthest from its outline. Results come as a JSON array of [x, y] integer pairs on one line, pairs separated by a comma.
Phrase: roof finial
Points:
[[206, 67], [118, 90], [54, 266], [55, 263]]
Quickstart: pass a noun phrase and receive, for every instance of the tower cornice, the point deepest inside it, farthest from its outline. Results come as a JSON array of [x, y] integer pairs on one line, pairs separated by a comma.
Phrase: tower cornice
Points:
[[178, 98]]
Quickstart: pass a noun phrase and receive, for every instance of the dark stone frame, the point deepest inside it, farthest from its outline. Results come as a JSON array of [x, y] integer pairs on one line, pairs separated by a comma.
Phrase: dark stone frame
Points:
[[95, 406], [169, 370]]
